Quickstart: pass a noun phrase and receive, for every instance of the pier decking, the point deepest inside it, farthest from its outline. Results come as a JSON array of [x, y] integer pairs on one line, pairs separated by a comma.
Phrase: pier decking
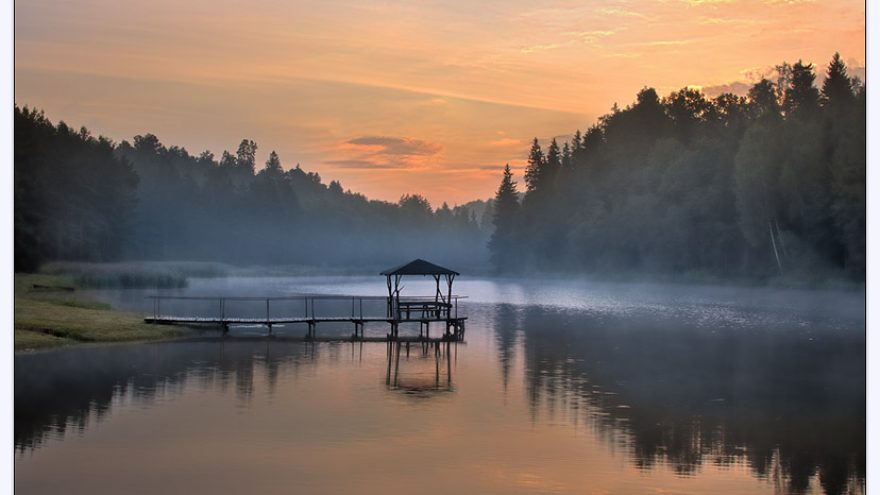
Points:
[[393, 310], [227, 312]]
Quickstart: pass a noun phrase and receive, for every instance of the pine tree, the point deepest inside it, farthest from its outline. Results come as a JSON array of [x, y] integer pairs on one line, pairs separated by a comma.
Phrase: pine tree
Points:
[[554, 160], [535, 168], [801, 97], [501, 244], [838, 87], [273, 164], [566, 156], [246, 156]]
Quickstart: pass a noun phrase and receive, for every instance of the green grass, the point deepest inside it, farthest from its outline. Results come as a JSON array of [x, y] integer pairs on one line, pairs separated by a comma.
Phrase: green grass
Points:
[[29, 339], [50, 317], [134, 274]]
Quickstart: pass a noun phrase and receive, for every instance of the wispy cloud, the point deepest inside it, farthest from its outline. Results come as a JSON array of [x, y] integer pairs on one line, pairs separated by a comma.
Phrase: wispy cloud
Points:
[[663, 43], [544, 47], [787, 2], [362, 164], [504, 143], [618, 11], [697, 3], [398, 146]]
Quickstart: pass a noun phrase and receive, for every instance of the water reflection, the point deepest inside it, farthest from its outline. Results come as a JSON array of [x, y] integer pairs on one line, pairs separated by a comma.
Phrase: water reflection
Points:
[[541, 398], [74, 387], [788, 402], [429, 372], [71, 388]]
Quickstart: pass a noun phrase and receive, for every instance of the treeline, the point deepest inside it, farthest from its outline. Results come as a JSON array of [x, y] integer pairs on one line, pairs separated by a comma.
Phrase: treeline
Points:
[[78, 197], [766, 185]]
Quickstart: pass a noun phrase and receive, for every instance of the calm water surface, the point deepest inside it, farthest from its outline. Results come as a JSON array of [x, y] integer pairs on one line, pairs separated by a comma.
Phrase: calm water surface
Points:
[[561, 387]]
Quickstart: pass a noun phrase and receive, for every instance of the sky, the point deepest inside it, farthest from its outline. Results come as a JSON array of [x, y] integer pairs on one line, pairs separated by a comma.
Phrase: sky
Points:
[[392, 97]]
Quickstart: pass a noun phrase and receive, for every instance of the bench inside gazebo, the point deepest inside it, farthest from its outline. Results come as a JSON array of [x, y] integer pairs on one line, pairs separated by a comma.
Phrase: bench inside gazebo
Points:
[[438, 306]]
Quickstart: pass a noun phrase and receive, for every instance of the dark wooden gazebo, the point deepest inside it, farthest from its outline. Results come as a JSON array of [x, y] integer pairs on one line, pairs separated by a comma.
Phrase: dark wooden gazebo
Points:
[[441, 304]]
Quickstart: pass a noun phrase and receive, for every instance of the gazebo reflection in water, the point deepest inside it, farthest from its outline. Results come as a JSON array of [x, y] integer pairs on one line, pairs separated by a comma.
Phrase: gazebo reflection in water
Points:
[[426, 367]]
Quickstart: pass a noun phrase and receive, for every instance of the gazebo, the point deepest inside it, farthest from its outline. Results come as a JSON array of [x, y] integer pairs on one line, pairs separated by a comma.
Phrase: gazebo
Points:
[[438, 308]]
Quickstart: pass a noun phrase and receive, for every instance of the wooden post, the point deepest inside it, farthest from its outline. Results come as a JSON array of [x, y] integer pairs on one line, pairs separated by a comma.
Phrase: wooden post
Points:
[[390, 295], [388, 371], [437, 366], [448, 367], [449, 279], [397, 365]]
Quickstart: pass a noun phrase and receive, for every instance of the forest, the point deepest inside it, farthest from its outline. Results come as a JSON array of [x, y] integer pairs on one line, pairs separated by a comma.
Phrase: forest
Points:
[[82, 198], [767, 186]]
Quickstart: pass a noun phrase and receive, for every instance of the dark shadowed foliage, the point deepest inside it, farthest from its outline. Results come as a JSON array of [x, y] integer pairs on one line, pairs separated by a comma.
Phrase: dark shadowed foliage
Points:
[[81, 198], [73, 197], [752, 188]]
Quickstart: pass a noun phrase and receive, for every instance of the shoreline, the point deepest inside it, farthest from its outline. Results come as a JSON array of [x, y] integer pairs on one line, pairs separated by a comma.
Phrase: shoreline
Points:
[[50, 312]]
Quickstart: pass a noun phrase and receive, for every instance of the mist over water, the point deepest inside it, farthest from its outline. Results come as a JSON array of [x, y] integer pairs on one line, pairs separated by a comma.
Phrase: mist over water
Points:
[[561, 387]]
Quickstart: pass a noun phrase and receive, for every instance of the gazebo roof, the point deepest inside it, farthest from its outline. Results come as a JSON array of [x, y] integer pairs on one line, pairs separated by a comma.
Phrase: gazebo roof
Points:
[[419, 267]]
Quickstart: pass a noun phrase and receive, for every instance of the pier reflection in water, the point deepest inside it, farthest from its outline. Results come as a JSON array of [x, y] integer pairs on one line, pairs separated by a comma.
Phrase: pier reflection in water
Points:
[[423, 375], [539, 399]]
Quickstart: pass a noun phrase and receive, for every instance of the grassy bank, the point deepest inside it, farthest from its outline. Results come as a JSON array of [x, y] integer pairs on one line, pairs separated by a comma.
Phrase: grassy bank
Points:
[[134, 274], [50, 311]]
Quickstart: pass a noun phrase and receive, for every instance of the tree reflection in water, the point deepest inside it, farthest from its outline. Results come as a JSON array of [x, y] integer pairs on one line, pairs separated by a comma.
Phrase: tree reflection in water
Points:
[[71, 387], [788, 401]]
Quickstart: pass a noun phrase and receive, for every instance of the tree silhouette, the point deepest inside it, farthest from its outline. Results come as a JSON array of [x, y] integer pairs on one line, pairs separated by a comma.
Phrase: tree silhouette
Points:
[[502, 243], [536, 167]]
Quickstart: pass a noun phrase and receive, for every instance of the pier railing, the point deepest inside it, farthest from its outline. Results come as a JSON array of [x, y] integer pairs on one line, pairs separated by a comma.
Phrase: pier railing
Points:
[[304, 307]]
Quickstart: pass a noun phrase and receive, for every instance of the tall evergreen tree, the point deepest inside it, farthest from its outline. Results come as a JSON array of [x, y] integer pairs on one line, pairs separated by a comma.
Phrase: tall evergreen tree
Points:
[[535, 167], [273, 164], [566, 156], [838, 87], [553, 162], [246, 156], [502, 244], [801, 96]]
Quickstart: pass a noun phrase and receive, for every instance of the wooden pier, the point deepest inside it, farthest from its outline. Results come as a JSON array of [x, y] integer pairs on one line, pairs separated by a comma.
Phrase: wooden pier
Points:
[[440, 308], [277, 311]]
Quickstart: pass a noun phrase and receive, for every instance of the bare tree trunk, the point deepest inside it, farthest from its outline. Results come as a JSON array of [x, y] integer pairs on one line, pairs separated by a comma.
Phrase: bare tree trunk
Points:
[[781, 239], [775, 251]]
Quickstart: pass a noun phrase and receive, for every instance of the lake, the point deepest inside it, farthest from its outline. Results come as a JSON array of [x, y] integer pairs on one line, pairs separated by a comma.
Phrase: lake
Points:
[[559, 387]]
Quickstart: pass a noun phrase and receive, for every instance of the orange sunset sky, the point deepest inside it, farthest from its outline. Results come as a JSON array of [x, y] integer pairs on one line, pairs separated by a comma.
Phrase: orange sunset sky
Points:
[[429, 97]]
